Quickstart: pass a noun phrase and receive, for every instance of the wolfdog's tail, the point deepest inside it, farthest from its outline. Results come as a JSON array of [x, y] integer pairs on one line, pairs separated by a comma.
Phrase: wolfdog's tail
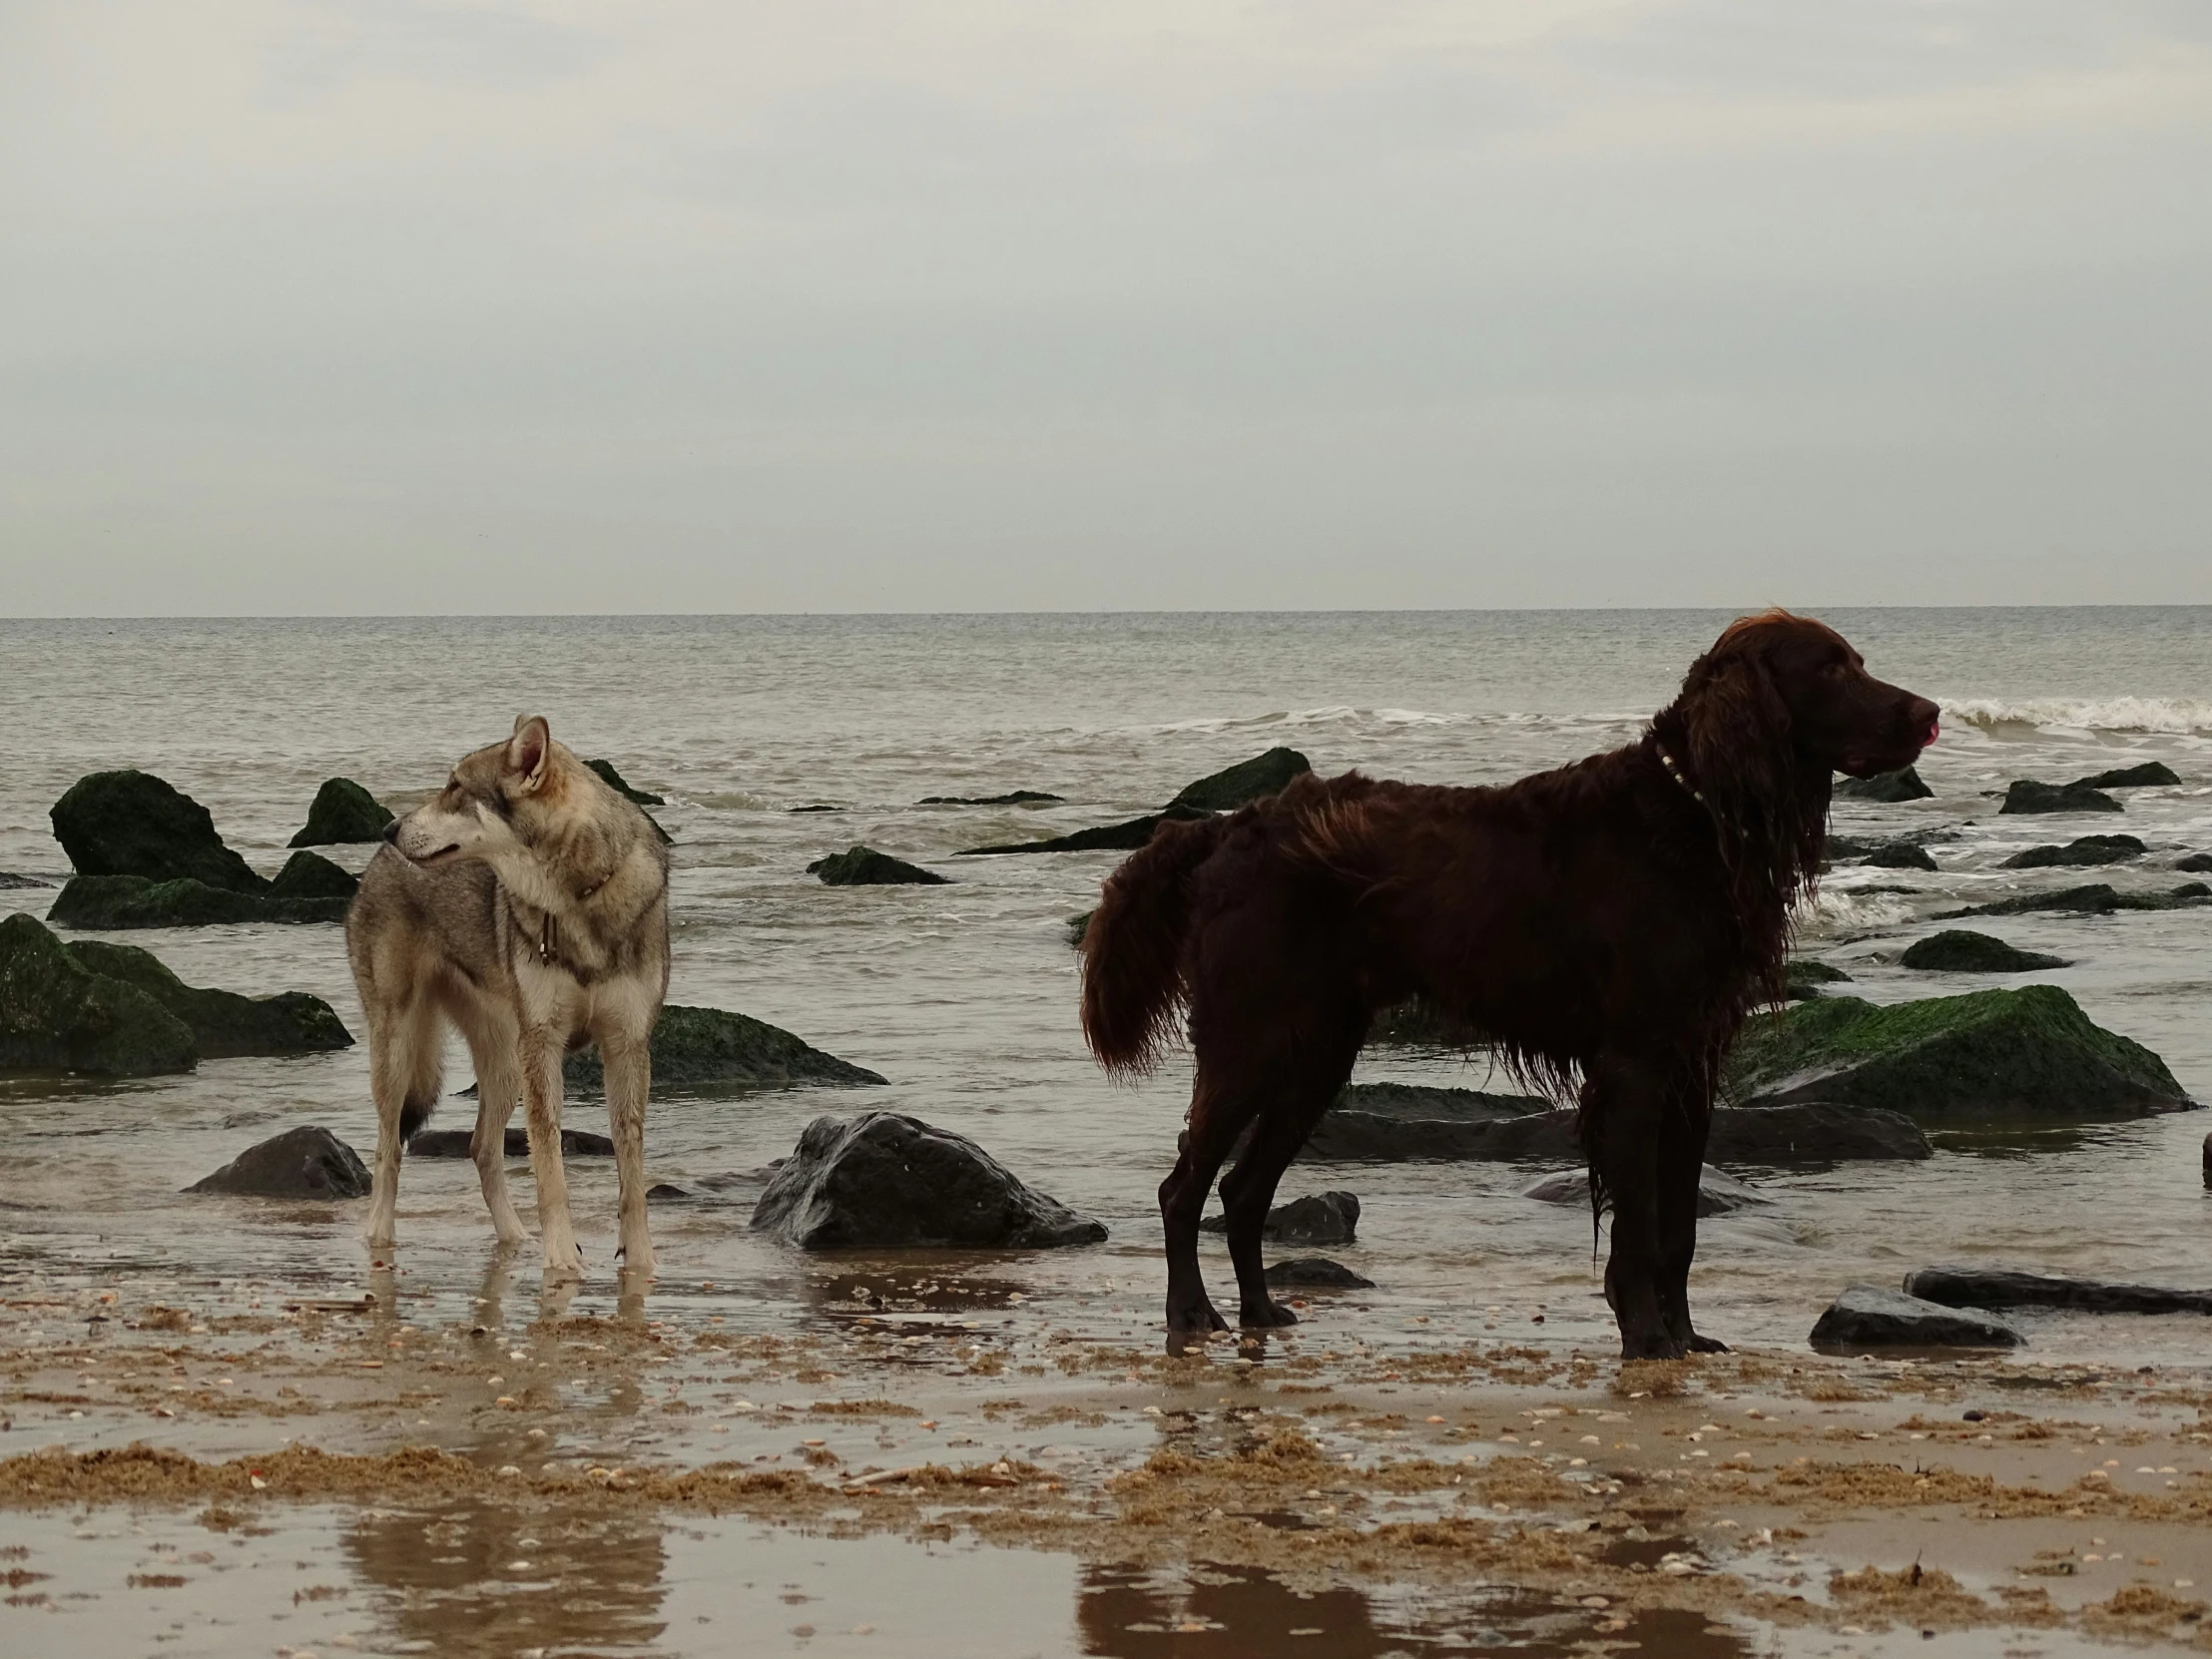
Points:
[[1133, 948]]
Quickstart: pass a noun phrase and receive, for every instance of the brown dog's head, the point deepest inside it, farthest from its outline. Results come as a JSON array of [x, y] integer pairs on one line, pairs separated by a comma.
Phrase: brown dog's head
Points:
[[1779, 687]]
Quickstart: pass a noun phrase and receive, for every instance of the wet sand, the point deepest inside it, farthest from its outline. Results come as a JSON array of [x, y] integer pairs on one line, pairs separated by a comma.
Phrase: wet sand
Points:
[[931, 1466]]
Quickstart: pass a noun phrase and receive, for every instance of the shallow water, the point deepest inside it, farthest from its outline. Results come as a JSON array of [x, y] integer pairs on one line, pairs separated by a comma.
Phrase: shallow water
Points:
[[964, 996]]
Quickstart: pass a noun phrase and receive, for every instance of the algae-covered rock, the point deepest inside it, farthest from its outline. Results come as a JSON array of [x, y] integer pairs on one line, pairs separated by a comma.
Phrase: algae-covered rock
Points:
[[9, 879], [133, 824], [119, 901], [300, 1163], [2025, 1052], [343, 811], [224, 1023], [2083, 850], [885, 1181], [312, 876], [2129, 778], [1802, 978], [1957, 951], [1107, 837], [1246, 780], [864, 867], [2194, 861], [2095, 898], [699, 1048], [615, 780], [56, 1014], [1887, 788], [2025, 794]]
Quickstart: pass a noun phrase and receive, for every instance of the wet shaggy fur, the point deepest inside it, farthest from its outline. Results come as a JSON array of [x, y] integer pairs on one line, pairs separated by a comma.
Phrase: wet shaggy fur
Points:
[[1608, 926]]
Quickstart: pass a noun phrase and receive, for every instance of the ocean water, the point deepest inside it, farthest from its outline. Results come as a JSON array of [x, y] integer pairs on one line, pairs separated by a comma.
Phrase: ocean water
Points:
[[964, 996]]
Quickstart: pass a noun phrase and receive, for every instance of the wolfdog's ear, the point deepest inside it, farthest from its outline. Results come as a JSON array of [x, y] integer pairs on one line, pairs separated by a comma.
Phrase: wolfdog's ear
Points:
[[528, 750]]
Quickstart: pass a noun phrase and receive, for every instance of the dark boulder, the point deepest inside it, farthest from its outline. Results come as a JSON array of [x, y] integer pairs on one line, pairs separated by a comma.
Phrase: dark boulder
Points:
[[1803, 979], [704, 1048], [1016, 798], [455, 1143], [615, 780], [1330, 1218], [58, 1015], [818, 807], [312, 876], [9, 880], [2027, 796], [1958, 1286], [637, 797], [885, 1181], [2194, 861], [1887, 788], [1314, 1273], [1813, 1132], [1078, 925], [1956, 951], [299, 1163], [2096, 898], [1866, 1315], [864, 867], [2129, 778], [343, 812], [1717, 1194], [1107, 837], [1996, 1053], [1407, 1123], [1900, 856], [1246, 780], [224, 1023], [2084, 849], [133, 824], [119, 901]]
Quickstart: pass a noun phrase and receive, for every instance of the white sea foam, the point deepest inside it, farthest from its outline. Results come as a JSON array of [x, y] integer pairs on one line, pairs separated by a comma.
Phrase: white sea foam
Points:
[[1837, 910], [2177, 716]]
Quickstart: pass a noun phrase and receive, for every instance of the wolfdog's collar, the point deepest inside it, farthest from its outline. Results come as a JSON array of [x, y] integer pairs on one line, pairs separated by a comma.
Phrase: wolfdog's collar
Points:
[[1676, 773], [549, 932]]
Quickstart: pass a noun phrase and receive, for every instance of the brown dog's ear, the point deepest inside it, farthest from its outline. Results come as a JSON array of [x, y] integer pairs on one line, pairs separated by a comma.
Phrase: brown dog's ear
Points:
[[1739, 729], [529, 748]]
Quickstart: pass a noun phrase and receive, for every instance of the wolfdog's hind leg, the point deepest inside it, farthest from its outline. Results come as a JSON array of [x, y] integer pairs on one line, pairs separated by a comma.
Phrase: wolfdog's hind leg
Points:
[[628, 1063], [541, 1092], [405, 1076], [498, 1084]]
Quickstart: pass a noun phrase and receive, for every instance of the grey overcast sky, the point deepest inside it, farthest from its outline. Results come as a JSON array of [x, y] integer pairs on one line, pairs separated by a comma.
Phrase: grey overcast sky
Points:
[[405, 306]]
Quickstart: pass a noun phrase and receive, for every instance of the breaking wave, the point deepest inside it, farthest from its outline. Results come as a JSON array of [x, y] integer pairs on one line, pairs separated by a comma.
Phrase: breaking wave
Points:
[[1838, 910], [2176, 715]]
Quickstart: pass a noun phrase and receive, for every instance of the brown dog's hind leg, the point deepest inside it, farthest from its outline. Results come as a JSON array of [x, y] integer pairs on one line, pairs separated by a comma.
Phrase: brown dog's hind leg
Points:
[[1217, 1117], [1682, 1137], [1293, 1107]]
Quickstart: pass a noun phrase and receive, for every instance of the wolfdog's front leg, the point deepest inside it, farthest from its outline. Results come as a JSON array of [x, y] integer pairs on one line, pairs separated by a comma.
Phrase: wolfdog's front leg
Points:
[[629, 1068], [541, 1093]]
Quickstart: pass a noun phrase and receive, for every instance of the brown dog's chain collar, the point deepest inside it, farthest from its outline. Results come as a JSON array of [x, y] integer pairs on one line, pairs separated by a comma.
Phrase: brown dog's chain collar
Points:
[[1675, 773]]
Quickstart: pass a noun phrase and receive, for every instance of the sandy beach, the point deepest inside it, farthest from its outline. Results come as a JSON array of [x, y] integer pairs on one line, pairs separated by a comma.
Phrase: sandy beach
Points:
[[168, 1466]]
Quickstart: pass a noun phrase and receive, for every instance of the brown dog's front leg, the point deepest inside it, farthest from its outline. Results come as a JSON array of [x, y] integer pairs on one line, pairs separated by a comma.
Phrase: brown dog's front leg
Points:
[[1621, 1106]]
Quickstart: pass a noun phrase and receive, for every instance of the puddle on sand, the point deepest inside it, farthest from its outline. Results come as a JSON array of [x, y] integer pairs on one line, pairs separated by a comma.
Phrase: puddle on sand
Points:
[[477, 1582]]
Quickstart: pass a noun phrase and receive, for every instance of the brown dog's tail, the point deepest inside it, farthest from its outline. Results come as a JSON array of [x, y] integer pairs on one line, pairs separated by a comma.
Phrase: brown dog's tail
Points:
[[1133, 946]]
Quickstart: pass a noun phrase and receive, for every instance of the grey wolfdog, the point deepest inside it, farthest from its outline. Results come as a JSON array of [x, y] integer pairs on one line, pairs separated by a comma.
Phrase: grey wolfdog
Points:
[[527, 903]]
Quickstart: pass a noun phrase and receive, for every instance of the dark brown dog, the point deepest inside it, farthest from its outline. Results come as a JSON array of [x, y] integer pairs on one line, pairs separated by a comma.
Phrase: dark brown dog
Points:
[[1609, 924]]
